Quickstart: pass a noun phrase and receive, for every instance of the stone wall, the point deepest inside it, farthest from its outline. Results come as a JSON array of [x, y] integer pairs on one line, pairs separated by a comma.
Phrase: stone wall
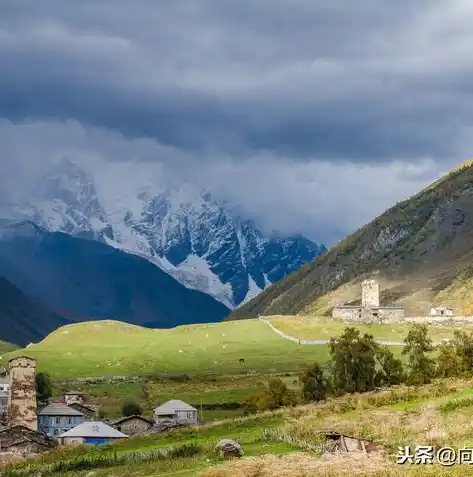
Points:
[[370, 315], [393, 315], [22, 393], [436, 320]]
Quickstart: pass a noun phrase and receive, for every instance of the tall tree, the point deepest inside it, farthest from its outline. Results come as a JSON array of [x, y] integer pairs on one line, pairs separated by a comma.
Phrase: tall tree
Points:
[[448, 362], [44, 388], [353, 361], [315, 385], [417, 345], [390, 370], [463, 344]]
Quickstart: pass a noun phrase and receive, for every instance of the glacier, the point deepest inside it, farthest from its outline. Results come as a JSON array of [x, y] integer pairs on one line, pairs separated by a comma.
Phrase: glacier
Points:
[[194, 237]]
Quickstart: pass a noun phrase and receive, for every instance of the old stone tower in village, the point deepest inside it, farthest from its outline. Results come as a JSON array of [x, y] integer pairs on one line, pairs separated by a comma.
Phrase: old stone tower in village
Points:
[[370, 309], [22, 393], [369, 294]]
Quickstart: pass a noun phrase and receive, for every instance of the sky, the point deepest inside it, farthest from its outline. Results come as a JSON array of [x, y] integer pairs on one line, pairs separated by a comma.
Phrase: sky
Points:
[[312, 116]]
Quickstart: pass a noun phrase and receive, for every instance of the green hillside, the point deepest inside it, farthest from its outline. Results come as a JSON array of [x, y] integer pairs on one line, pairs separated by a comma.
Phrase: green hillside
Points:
[[7, 347], [420, 251], [108, 348], [111, 348]]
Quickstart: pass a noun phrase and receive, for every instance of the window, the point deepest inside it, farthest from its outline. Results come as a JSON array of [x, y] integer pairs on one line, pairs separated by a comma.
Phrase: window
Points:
[[56, 432], [58, 420], [69, 421]]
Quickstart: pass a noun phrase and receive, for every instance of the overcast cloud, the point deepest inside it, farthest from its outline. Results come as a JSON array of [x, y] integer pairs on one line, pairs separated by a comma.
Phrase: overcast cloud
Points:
[[312, 116]]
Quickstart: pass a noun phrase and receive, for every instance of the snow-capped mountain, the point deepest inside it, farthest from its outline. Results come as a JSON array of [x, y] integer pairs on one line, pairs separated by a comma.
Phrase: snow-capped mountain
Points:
[[185, 231]]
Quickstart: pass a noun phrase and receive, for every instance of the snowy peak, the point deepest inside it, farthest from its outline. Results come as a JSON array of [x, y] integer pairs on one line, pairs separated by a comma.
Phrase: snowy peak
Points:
[[185, 231]]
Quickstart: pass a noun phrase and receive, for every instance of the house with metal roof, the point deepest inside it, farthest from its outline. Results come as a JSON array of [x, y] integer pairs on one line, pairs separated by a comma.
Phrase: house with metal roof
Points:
[[23, 440], [132, 425], [91, 432], [177, 412], [57, 418]]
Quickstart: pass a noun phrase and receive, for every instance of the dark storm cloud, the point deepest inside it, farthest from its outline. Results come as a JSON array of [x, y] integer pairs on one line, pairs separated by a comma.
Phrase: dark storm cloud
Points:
[[368, 81], [312, 116]]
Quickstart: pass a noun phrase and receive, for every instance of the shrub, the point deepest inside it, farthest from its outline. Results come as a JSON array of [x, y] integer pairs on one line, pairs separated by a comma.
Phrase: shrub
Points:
[[131, 408]]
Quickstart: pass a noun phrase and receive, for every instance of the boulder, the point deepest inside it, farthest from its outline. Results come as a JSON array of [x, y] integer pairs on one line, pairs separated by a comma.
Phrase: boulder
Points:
[[228, 448]]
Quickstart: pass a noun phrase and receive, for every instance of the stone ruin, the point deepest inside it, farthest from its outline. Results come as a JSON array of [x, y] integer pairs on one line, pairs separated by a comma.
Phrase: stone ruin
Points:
[[19, 436], [228, 448], [337, 443], [370, 309]]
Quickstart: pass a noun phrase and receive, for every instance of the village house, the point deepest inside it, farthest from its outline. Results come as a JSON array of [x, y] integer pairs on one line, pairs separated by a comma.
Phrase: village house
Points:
[[441, 311], [90, 411], [57, 418], [175, 411], [4, 384], [132, 425], [78, 400], [91, 432], [23, 440], [72, 397]]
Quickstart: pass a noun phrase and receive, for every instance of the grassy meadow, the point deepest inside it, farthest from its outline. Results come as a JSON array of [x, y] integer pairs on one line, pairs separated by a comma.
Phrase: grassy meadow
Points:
[[7, 347], [323, 328], [287, 441], [110, 348]]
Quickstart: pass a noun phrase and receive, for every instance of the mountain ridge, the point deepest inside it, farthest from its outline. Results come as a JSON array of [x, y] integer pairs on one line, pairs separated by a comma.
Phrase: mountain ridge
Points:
[[185, 231], [87, 280], [419, 250], [22, 319]]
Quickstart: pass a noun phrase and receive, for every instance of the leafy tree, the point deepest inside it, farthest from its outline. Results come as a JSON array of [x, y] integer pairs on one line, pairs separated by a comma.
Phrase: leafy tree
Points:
[[315, 385], [449, 363], [353, 361], [463, 344], [44, 388], [417, 345], [390, 370], [275, 396], [131, 408]]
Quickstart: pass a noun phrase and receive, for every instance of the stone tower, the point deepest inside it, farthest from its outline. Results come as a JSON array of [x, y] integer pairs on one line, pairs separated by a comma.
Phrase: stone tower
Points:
[[369, 294], [22, 393]]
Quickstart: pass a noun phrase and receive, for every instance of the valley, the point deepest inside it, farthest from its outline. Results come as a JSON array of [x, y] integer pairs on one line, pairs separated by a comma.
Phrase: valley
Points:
[[224, 363], [110, 348], [214, 367]]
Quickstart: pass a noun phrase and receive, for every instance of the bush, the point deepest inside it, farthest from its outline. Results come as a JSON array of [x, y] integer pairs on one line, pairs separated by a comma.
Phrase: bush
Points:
[[275, 396], [131, 408]]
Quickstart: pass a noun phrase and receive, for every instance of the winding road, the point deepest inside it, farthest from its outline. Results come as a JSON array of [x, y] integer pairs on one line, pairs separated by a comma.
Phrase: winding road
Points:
[[324, 342]]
